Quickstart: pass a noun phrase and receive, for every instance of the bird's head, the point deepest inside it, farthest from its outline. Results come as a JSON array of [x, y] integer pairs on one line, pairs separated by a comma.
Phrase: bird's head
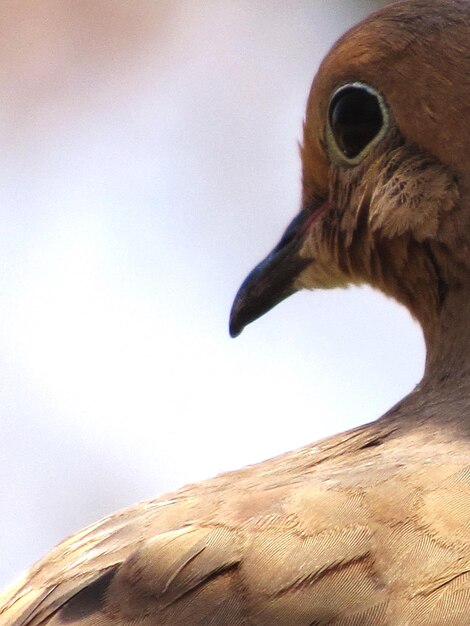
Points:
[[385, 167]]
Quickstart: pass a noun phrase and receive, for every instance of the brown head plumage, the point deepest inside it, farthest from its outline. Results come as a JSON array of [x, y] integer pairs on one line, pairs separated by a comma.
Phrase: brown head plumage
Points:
[[385, 162]]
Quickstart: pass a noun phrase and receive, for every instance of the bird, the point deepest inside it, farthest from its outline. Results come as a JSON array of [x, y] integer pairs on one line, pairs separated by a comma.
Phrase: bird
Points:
[[370, 526]]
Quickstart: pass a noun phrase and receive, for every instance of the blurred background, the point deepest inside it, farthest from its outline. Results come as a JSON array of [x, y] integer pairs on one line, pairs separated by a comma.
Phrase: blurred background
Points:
[[148, 160]]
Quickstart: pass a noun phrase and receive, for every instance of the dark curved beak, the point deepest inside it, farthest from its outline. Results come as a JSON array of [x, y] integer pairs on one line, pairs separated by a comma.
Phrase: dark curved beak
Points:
[[273, 279]]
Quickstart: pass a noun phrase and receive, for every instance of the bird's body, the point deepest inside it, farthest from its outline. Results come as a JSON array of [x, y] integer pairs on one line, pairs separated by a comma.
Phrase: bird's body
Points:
[[370, 527], [367, 528]]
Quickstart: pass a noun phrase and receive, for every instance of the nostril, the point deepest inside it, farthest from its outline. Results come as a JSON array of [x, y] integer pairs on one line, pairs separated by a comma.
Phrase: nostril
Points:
[[286, 238], [292, 231]]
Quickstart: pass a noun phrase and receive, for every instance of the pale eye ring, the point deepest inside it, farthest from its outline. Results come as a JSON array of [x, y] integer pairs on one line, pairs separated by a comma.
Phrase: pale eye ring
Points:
[[357, 119]]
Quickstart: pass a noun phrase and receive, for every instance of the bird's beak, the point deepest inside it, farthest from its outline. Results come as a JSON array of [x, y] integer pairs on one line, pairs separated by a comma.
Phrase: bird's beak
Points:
[[274, 279]]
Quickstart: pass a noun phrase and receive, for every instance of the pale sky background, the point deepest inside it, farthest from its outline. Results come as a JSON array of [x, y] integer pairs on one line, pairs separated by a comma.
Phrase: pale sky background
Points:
[[149, 159]]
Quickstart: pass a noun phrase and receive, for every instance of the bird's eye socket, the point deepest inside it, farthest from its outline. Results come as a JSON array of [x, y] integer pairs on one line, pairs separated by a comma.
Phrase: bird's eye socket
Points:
[[357, 120]]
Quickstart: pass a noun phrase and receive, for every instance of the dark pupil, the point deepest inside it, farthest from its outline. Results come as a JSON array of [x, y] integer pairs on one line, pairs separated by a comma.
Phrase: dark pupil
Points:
[[355, 119]]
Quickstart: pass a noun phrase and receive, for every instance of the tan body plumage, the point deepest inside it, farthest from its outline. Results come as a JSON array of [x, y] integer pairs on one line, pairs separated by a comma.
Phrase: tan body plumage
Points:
[[370, 527]]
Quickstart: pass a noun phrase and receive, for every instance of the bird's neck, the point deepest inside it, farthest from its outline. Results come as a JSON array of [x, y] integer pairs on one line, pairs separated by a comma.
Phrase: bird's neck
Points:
[[447, 337], [440, 403]]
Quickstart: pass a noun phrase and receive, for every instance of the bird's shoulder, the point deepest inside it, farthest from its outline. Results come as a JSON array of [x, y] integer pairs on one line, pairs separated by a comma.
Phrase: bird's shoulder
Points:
[[310, 533]]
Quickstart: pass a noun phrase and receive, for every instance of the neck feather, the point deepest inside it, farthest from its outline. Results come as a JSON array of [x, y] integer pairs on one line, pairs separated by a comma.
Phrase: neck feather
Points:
[[447, 337]]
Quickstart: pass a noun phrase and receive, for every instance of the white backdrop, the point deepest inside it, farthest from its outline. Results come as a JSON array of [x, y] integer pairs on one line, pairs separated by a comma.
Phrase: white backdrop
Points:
[[149, 159]]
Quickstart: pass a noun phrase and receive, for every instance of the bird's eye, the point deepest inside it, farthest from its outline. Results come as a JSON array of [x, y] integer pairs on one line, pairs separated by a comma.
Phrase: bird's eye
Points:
[[357, 119]]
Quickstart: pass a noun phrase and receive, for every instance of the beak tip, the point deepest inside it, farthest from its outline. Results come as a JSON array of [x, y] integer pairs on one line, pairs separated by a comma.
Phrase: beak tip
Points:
[[234, 331], [236, 324]]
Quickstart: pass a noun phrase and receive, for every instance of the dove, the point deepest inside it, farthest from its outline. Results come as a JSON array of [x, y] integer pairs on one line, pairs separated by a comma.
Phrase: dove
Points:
[[370, 527]]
